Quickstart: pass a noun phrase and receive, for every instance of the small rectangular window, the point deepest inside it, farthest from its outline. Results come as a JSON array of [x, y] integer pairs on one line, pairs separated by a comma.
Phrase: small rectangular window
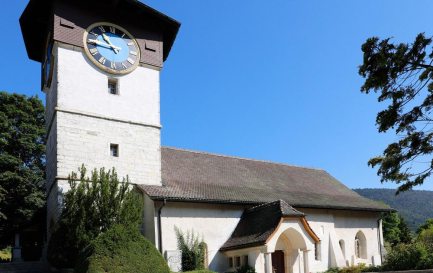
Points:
[[114, 150], [238, 261], [231, 262], [317, 251], [113, 86]]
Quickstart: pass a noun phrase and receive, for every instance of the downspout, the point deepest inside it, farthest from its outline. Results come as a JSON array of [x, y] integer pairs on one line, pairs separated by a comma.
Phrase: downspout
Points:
[[160, 225]]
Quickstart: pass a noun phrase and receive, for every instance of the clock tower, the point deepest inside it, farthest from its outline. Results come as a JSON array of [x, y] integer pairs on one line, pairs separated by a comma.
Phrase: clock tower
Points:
[[101, 63]]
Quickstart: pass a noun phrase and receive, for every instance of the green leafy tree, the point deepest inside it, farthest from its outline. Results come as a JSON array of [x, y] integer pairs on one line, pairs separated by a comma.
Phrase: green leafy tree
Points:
[[22, 162], [91, 207], [426, 237], [427, 225], [401, 74]]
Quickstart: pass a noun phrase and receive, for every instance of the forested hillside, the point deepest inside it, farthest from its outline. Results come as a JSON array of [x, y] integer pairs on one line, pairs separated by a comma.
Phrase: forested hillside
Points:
[[414, 206]]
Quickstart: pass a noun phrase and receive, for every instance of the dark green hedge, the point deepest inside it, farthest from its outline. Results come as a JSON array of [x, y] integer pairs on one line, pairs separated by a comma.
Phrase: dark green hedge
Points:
[[121, 250]]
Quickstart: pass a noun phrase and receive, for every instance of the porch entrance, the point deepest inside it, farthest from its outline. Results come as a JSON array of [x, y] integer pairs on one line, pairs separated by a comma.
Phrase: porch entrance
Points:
[[278, 264]]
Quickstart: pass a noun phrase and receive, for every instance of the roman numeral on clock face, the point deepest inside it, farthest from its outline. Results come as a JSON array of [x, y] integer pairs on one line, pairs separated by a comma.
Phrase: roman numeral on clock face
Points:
[[133, 53], [113, 30], [102, 60], [102, 29], [93, 51], [113, 65], [131, 61]]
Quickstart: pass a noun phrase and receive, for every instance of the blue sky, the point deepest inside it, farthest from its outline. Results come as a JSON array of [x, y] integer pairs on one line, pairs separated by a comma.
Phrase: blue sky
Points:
[[272, 80]]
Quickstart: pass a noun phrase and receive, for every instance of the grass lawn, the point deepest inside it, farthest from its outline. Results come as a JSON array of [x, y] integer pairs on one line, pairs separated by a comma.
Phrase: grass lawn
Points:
[[6, 254]]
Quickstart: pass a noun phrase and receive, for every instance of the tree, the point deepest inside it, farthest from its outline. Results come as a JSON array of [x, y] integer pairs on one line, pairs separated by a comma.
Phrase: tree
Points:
[[405, 233], [22, 162], [427, 225], [395, 229], [402, 76], [92, 206], [391, 230]]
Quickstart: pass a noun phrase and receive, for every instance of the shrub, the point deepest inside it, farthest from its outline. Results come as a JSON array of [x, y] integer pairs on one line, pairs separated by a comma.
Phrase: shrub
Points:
[[407, 257], [200, 271], [121, 250], [193, 250], [91, 207], [355, 269], [246, 269]]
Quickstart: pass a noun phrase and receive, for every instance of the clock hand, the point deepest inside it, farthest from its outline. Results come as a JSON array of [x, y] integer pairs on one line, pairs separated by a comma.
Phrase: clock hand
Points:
[[107, 39], [97, 42]]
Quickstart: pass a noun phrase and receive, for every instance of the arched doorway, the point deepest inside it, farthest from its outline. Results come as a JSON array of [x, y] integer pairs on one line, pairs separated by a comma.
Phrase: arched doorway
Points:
[[290, 254]]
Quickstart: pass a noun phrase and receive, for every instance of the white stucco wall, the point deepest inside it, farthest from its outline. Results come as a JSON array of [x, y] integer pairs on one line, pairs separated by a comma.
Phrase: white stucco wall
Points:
[[83, 119], [217, 222], [343, 225], [83, 87], [88, 118]]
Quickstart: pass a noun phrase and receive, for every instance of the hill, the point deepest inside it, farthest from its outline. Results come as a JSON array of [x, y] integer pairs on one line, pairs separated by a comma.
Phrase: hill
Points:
[[414, 206]]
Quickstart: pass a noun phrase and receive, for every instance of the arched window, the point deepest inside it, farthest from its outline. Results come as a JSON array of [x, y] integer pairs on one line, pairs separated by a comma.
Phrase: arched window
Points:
[[360, 245], [343, 248]]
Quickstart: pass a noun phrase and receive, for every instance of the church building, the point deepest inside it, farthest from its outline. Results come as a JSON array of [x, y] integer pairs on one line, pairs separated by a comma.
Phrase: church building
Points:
[[101, 62]]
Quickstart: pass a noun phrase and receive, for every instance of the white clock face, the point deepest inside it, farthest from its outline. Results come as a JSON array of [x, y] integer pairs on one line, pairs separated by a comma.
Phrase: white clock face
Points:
[[111, 48]]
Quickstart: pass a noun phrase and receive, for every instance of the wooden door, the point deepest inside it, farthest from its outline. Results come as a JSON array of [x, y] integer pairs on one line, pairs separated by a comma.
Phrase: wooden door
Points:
[[278, 262]]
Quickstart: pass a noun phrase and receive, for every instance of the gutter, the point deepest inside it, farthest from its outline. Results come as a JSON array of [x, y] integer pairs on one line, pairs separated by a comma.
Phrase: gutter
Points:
[[160, 226]]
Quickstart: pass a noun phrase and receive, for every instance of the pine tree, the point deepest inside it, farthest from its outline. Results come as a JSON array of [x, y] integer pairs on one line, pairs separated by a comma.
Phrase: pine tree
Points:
[[91, 207]]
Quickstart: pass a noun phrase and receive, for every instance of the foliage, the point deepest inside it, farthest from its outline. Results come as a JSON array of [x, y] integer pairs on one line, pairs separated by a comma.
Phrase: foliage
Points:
[[395, 229], [193, 250], [391, 231], [91, 207], [246, 269], [408, 257], [121, 250], [428, 224], [414, 206], [402, 75], [426, 237], [200, 271], [354, 269], [22, 162], [6, 254]]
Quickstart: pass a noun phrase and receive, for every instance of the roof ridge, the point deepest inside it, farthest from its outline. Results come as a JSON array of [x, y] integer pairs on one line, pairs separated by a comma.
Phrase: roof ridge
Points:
[[243, 158]]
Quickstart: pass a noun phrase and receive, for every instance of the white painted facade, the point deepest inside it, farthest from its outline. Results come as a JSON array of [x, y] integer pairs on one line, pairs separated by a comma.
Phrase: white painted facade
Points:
[[83, 119], [215, 224]]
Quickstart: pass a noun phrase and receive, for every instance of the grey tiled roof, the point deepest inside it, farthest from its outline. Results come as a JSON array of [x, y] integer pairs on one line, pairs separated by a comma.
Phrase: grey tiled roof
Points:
[[203, 177], [258, 223]]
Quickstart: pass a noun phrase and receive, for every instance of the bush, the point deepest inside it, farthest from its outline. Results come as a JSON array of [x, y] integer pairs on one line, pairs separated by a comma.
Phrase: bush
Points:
[[246, 269], [355, 269], [200, 271], [193, 250], [121, 250], [92, 206], [408, 257]]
